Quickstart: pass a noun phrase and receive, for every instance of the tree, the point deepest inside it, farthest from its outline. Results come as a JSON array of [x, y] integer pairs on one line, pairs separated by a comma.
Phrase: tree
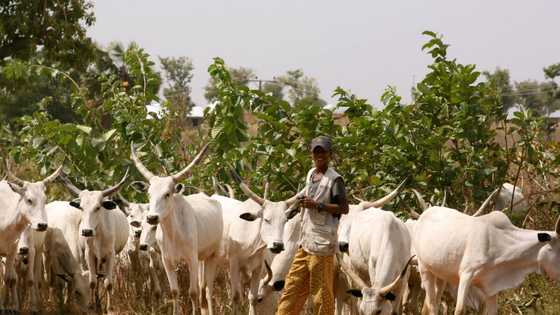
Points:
[[499, 81], [178, 73], [55, 28], [300, 88], [552, 71], [239, 76], [540, 97]]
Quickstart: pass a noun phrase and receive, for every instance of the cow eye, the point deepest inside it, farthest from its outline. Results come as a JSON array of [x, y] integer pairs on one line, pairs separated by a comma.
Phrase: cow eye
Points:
[[266, 220], [29, 201], [167, 195]]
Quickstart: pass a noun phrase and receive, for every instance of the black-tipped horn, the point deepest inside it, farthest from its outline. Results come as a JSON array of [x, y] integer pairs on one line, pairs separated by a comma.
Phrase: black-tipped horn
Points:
[[245, 188], [71, 187]]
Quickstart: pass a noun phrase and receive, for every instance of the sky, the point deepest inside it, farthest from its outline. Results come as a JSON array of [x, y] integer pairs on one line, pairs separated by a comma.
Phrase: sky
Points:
[[362, 46]]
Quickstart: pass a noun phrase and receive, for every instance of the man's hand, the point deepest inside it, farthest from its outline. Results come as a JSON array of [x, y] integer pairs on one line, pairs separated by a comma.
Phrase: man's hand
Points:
[[309, 203]]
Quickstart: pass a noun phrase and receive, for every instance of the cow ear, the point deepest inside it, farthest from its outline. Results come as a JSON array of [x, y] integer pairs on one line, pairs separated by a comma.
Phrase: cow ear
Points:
[[248, 216], [17, 188], [389, 296], [292, 213], [544, 237], [109, 204], [279, 285], [179, 188], [355, 292], [139, 186], [76, 204]]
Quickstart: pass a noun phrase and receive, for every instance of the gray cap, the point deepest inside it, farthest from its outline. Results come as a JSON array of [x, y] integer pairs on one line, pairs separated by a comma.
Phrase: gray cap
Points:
[[321, 141]]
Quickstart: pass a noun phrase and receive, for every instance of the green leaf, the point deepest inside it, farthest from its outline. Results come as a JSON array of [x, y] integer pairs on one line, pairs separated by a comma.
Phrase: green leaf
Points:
[[107, 135]]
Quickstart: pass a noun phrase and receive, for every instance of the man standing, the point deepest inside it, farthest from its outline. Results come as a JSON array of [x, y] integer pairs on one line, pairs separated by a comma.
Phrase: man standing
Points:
[[312, 271]]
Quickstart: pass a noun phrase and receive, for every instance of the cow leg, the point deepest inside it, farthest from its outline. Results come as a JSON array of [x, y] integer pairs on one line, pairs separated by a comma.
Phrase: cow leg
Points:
[[193, 283], [235, 281], [153, 275], [430, 306], [210, 267], [465, 281], [109, 280], [92, 267], [491, 306], [11, 296], [173, 283], [254, 288]]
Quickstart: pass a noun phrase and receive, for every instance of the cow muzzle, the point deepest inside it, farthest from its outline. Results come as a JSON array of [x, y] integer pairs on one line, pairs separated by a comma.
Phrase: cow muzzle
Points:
[[23, 251], [143, 247], [343, 246], [277, 247], [137, 233], [152, 219], [87, 232], [42, 227]]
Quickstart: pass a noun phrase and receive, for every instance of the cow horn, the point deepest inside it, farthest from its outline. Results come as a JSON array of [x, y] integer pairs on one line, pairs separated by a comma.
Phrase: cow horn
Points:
[[53, 176], [125, 202], [295, 197], [184, 172], [381, 202], [112, 190], [420, 199], [266, 186], [217, 189], [13, 177], [71, 187], [388, 288], [354, 277], [141, 168], [245, 188], [444, 201], [230, 190], [268, 273], [486, 202], [557, 229], [359, 200]]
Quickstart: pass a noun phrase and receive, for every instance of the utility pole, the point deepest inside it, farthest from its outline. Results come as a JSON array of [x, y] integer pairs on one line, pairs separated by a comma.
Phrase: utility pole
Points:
[[260, 81]]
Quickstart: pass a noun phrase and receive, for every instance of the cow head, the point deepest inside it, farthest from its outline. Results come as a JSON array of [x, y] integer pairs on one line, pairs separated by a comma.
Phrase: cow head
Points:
[[273, 215], [549, 255], [345, 223], [268, 286], [135, 214], [148, 236], [376, 300], [93, 204], [81, 293], [162, 191], [32, 198]]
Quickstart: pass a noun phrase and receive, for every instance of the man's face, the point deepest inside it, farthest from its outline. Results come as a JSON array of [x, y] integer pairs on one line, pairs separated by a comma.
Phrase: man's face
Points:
[[320, 157]]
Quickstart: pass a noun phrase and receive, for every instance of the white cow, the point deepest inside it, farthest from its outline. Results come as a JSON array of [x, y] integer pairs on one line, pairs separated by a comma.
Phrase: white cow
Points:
[[481, 255], [141, 259], [379, 251], [190, 229], [29, 265], [63, 253], [103, 232], [22, 203]]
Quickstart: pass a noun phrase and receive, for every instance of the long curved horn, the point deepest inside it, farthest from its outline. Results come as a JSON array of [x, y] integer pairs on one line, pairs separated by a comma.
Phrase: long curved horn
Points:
[[245, 188], [420, 199], [217, 189], [73, 189], [266, 186], [486, 202], [290, 201], [141, 168], [444, 201], [13, 177], [413, 214], [381, 202], [114, 189], [125, 202], [231, 192], [268, 273], [183, 173], [53, 176], [354, 278], [388, 288], [557, 228], [359, 200]]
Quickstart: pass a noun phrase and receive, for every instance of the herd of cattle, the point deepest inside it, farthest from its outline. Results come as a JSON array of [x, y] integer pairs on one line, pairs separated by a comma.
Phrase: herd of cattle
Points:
[[386, 263]]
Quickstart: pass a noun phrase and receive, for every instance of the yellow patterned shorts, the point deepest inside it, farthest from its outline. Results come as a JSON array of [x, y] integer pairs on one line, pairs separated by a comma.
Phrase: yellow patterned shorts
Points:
[[309, 274]]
